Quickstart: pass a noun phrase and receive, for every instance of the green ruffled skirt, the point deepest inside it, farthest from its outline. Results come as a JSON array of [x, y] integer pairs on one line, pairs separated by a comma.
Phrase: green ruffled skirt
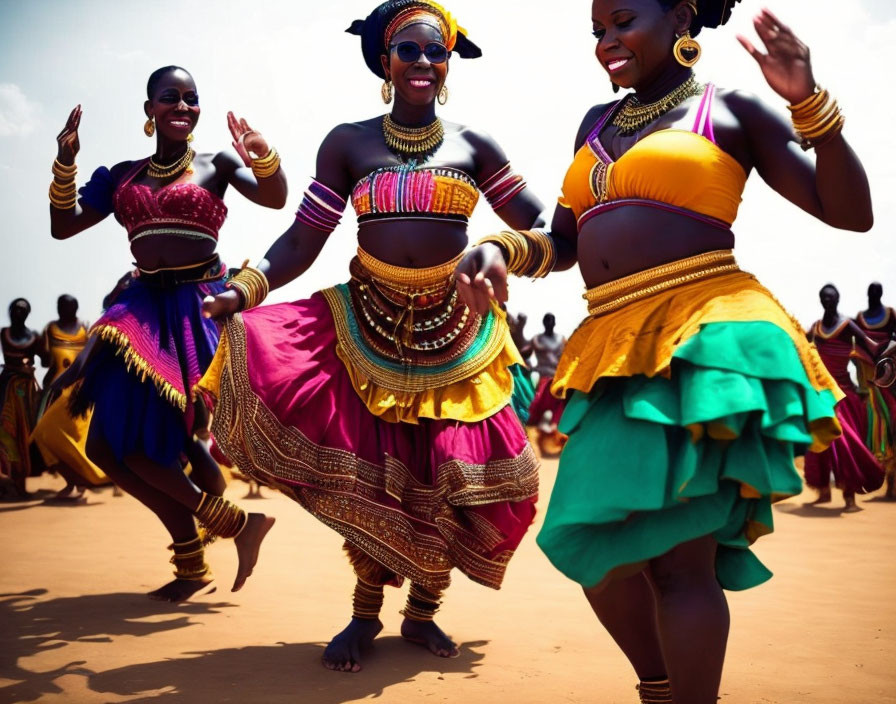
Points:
[[523, 391], [653, 462]]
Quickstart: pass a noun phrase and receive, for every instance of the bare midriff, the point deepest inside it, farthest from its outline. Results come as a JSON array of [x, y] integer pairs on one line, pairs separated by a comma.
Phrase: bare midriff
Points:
[[634, 237], [159, 251], [413, 243]]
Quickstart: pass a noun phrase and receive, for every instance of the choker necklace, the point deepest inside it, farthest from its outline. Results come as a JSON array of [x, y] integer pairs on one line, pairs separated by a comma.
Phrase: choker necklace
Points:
[[157, 170], [412, 141], [635, 115]]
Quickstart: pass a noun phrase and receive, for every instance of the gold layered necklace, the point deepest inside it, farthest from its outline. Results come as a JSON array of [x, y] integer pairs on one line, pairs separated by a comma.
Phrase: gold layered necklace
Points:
[[157, 170], [634, 115], [412, 141]]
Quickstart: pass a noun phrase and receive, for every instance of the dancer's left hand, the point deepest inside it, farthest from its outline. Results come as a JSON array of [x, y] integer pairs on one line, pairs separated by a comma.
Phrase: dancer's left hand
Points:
[[220, 306], [786, 65], [482, 277], [248, 143]]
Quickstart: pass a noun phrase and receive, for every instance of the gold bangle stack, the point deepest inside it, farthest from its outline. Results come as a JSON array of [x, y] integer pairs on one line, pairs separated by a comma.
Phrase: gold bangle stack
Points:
[[266, 166], [251, 284], [63, 190], [220, 516], [189, 560], [367, 601], [529, 252], [817, 119]]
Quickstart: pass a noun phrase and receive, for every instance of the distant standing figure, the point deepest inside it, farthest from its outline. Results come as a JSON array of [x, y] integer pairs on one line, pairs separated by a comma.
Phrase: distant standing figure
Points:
[[546, 409], [854, 467], [879, 323], [19, 395], [60, 437]]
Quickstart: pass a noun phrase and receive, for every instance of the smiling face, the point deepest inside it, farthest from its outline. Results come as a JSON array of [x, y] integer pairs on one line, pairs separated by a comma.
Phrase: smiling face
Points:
[[175, 105], [635, 38], [416, 82]]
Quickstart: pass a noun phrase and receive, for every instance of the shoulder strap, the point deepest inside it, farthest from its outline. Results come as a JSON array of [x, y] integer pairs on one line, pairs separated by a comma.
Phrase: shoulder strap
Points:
[[703, 120]]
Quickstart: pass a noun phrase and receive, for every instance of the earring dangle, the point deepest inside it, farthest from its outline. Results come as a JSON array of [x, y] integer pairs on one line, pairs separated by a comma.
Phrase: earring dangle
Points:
[[686, 50], [149, 127], [386, 92], [189, 137], [442, 97]]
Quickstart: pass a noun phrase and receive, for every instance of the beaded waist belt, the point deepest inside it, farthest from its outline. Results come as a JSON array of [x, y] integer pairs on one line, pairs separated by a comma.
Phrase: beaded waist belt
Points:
[[210, 270], [406, 330], [189, 233], [616, 294]]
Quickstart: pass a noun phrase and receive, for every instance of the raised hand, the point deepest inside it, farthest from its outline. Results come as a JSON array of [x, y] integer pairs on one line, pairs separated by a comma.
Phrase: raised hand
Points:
[[248, 143], [222, 305], [482, 277], [786, 64], [68, 138]]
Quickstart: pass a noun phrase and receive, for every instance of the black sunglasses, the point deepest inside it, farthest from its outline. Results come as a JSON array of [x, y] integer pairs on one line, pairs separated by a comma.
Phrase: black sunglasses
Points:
[[409, 52]]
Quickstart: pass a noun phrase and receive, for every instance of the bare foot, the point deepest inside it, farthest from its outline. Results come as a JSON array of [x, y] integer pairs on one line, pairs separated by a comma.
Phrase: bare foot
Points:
[[824, 497], [248, 542], [429, 635], [890, 494], [178, 590], [343, 653], [851, 506], [70, 494]]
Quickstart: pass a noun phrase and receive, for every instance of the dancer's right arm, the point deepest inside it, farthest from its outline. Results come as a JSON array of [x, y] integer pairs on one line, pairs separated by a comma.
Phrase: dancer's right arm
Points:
[[67, 222], [297, 248]]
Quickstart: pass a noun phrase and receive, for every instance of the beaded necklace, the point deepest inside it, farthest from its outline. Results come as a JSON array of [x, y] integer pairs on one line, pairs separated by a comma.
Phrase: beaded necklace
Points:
[[635, 115], [157, 170], [412, 141]]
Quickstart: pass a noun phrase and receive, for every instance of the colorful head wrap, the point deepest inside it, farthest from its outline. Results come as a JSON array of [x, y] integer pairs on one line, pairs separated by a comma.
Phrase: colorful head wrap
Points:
[[393, 16]]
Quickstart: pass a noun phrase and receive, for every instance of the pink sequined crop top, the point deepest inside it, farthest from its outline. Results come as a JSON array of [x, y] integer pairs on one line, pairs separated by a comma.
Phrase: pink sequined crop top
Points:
[[182, 209], [407, 188]]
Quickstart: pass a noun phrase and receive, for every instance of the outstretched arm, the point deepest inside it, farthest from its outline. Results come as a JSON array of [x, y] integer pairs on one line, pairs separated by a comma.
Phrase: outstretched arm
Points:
[[257, 174], [68, 214], [482, 273], [833, 187], [297, 248]]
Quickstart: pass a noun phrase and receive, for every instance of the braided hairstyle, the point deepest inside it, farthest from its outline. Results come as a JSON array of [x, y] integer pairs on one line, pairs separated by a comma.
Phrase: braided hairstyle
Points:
[[710, 13]]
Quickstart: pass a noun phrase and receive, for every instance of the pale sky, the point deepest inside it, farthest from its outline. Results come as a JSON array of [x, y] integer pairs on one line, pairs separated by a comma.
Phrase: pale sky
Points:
[[290, 69]]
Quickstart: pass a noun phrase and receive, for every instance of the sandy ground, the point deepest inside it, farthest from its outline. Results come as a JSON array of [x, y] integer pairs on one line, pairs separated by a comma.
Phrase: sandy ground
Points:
[[75, 625]]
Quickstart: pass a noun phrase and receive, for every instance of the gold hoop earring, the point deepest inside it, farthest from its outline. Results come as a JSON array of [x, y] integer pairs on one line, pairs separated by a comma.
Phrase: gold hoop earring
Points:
[[686, 50], [149, 127], [386, 92], [442, 97]]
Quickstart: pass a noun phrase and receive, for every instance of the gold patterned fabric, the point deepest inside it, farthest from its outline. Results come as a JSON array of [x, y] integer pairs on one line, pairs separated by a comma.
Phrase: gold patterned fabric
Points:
[[418, 497]]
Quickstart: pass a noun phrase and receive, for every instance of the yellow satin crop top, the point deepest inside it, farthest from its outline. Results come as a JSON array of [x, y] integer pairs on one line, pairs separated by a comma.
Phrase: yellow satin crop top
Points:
[[673, 167]]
